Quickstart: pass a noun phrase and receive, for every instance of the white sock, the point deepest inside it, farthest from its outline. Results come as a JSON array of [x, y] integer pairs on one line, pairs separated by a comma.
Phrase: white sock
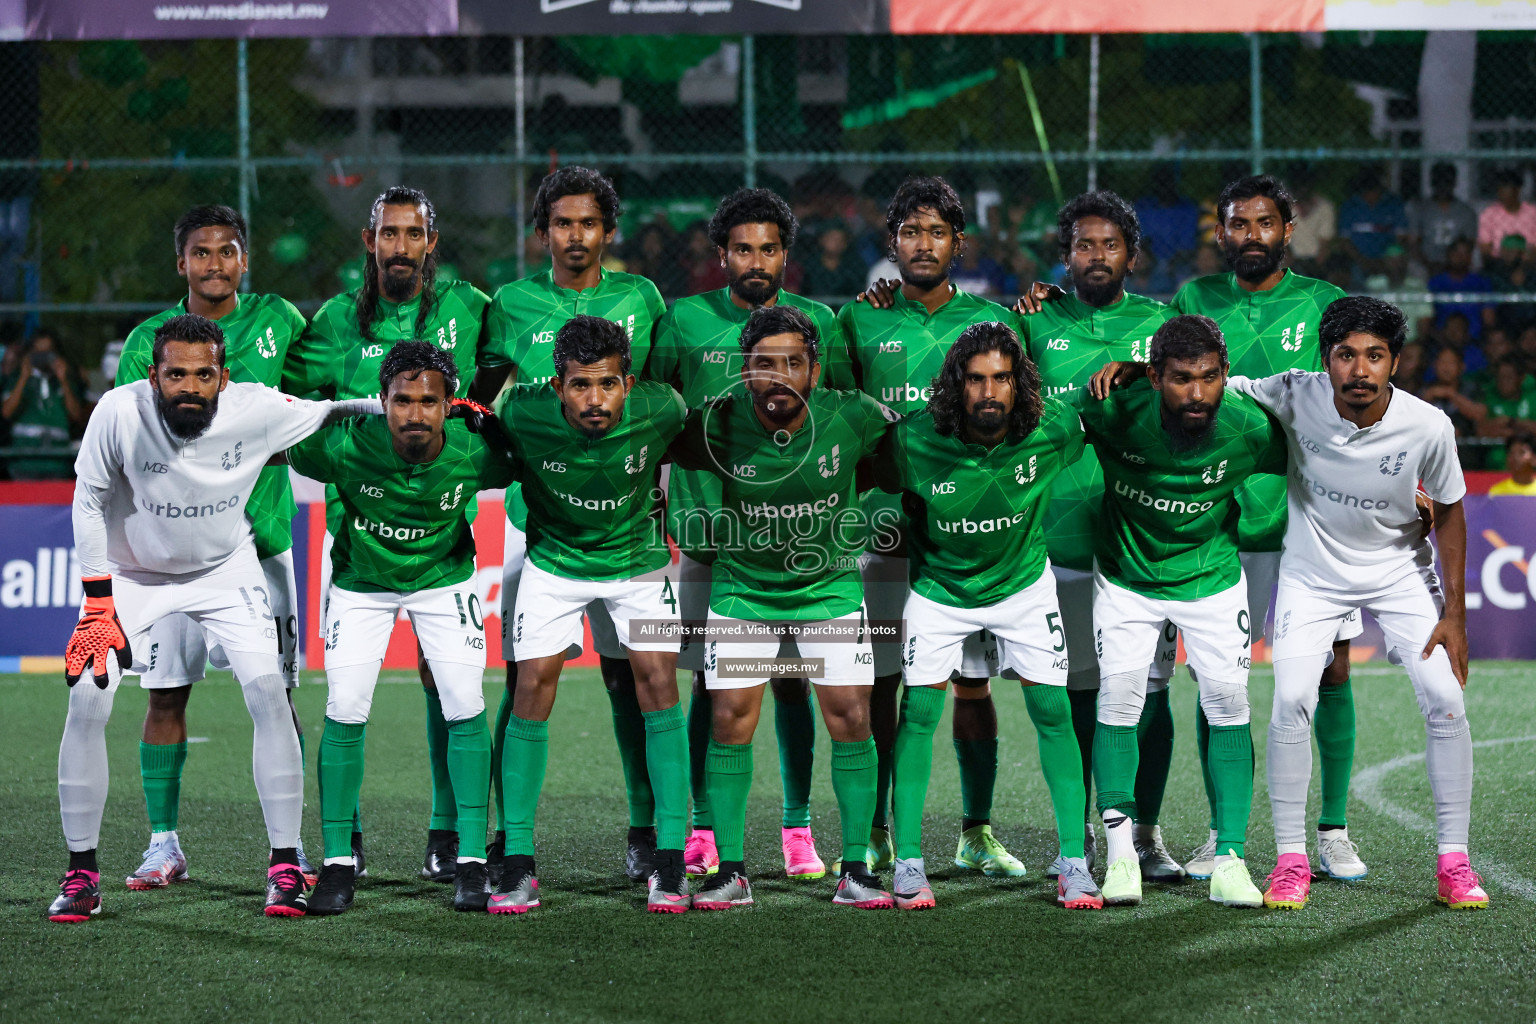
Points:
[[83, 760], [339, 860], [275, 759], [470, 860], [1120, 835], [1448, 758], [163, 837], [1222, 858], [1281, 849], [1446, 848]]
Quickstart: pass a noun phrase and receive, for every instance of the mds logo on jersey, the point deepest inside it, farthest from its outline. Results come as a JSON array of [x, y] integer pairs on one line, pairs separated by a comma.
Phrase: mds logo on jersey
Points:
[[837, 462], [1023, 476], [1392, 467], [1058, 344], [894, 345], [714, 357], [373, 351], [543, 338]]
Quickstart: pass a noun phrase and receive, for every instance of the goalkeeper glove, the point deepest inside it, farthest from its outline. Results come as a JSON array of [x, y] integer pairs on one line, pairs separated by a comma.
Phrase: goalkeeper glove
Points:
[[97, 635]]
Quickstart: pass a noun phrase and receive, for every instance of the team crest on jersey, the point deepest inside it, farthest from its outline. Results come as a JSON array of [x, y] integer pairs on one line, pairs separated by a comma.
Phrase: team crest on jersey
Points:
[[1390, 466], [1212, 474], [232, 459], [1024, 474], [837, 463], [1291, 338], [631, 466], [448, 337], [266, 344], [445, 503]]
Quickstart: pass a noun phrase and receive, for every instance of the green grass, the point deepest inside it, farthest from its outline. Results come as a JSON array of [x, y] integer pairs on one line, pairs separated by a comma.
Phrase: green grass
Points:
[[993, 950]]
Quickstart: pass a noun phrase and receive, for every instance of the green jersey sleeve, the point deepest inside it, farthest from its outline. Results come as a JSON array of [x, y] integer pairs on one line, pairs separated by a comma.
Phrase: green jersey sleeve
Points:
[[312, 361], [312, 456], [137, 354]]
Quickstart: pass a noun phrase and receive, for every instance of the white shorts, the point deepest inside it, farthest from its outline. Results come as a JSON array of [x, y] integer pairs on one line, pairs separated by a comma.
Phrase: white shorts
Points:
[[848, 661], [1028, 624], [448, 622], [548, 616], [1074, 592], [885, 596], [231, 605], [1262, 570], [1216, 630], [179, 654], [694, 580], [514, 556], [1307, 620]]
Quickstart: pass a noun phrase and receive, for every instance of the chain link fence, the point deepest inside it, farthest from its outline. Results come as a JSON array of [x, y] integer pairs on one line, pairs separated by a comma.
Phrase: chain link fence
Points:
[[104, 144]]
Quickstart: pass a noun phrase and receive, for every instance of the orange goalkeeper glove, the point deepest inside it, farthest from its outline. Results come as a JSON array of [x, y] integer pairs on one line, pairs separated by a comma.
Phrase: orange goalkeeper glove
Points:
[[97, 635]]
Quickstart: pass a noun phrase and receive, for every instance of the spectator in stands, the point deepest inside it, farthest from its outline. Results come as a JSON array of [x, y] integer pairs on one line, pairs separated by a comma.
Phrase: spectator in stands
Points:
[[1506, 215], [1208, 260], [1525, 349], [1170, 222], [1496, 348], [872, 237], [835, 272], [650, 255], [1456, 334], [1510, 272], [1022, 272], [1399, 277], [1411, 364], [1458, 276], [1451, 393], [1030, 226], [1520, 460], [1511, 407], [42, 404], [1371, 220], [700, 262], [977, 272], [1316, 225], [1436, 222]]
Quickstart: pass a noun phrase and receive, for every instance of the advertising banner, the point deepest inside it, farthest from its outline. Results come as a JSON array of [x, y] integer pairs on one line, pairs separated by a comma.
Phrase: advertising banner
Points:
[[170, 19], [1026, 16], [673, 17]]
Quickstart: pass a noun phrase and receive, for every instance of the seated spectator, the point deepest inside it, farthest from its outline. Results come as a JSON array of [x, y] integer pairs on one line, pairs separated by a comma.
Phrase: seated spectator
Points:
[[1371, 219], [1170, 222], [1436, 222], [1506, 215], [1458, 276], [1208, 260], [1496, 348], [836, 272], [1398, 276], [1022, 272], [1411, 364], [700, 262], [1314, 228], [1511, 272], [649, 255], [1451, 393], [1520, 460], [1455, 334], [977, 272], [42, 404], [1511, 406], [1525, 349]]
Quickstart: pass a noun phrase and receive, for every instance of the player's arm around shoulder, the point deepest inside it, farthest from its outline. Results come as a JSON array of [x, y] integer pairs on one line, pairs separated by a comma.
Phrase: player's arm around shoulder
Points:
[[312, 359]]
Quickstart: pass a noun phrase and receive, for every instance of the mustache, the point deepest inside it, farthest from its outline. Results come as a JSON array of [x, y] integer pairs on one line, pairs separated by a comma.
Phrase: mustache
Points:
[[1194, 407], [402, 261]]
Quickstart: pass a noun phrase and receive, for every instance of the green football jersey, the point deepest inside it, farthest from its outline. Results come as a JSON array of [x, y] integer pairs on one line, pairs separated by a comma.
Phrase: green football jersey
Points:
[[258, 335], [1267, 333], [1069, 341], [1169, 525], [977, 513], [404, 525], [698, 352], [525, 315], [788, 531], [896, 354], [594, 504]]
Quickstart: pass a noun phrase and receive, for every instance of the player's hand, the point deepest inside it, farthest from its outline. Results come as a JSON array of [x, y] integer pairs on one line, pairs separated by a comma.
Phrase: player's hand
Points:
[[880, 295], [478, 419], [1034, 300], [1114, 375], [1426, 510], [97, 635], [1451, 632]]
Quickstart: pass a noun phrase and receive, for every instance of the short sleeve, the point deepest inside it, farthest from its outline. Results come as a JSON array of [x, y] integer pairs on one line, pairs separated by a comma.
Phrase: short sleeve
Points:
[[1443, 480], [876, 420], [654, 303], [890, 461], [290, 420], [663, 363], [1074, 438], [1270, 454], [837, 362], [497, 330], [292, 318], [849, 326], [138, 351], [311, 456], [311, 363], [1272, 393], [1182, 300], [690, 448]]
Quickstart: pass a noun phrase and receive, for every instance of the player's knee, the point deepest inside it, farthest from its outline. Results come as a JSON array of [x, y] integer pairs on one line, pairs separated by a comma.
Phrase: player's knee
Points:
[[348, 707], [462, 702], [922, 706], [90, 703], [1336, 672], [1121, 698], [168, 705], [266, 697], [1157, 683], [1225, 702], [972, 688]]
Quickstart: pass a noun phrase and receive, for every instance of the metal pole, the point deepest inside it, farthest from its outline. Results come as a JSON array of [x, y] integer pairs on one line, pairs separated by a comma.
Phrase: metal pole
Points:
[[749, 110], [521, 169], [1093, 112], [243, 116], [1256, 99]]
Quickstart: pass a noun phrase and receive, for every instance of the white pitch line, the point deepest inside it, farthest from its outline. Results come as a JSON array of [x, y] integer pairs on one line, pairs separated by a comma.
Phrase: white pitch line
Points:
[[1367, 786]]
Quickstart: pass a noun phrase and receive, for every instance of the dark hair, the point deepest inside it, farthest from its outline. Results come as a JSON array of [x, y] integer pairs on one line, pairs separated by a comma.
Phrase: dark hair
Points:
[[766, 321], [189, 327], [586, 339], [752, 206], [413, 358], [1509, 176], [1361, 314], [1442, 174], [1186, 337], [925, 193], [1251, 187], [947, 404], [1102, 203], [368, 295], [210, 216], [1529, 440], [575, 181]]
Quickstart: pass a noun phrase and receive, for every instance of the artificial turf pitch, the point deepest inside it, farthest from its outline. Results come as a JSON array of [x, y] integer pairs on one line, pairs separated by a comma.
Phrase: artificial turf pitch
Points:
[[998, 950]]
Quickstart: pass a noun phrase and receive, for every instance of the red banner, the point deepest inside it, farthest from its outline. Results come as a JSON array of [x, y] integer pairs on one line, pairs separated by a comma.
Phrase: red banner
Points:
[[937, 17]]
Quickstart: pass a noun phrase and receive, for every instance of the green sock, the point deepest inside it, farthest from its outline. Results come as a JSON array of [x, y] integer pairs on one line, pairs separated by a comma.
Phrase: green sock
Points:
[[1154, 734], [629, 732], [1334, 723], [853, 783], [1232, 770], [498, 740], [523, 760], [1060, 760], [666, 762], [921, 709], [341, 780], [700, 715], [469, 762], [795, 727], [1114, 767], [1085, 723], [978, 776], [1203, 742], [160, 766], [444, 808], [730, 780]]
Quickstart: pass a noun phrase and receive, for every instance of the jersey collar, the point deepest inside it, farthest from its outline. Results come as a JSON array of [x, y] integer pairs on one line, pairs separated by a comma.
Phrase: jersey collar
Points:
[[957, 300], [1287, 282], [602, 279]]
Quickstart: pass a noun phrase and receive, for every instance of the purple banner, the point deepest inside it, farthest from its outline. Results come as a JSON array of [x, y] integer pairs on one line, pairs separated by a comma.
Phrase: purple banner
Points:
[[170, 19], [1501, 590], [40, 590]]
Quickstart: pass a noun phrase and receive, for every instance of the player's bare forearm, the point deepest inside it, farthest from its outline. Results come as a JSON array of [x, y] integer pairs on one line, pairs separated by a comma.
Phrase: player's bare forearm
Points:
[[1451, 631]]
